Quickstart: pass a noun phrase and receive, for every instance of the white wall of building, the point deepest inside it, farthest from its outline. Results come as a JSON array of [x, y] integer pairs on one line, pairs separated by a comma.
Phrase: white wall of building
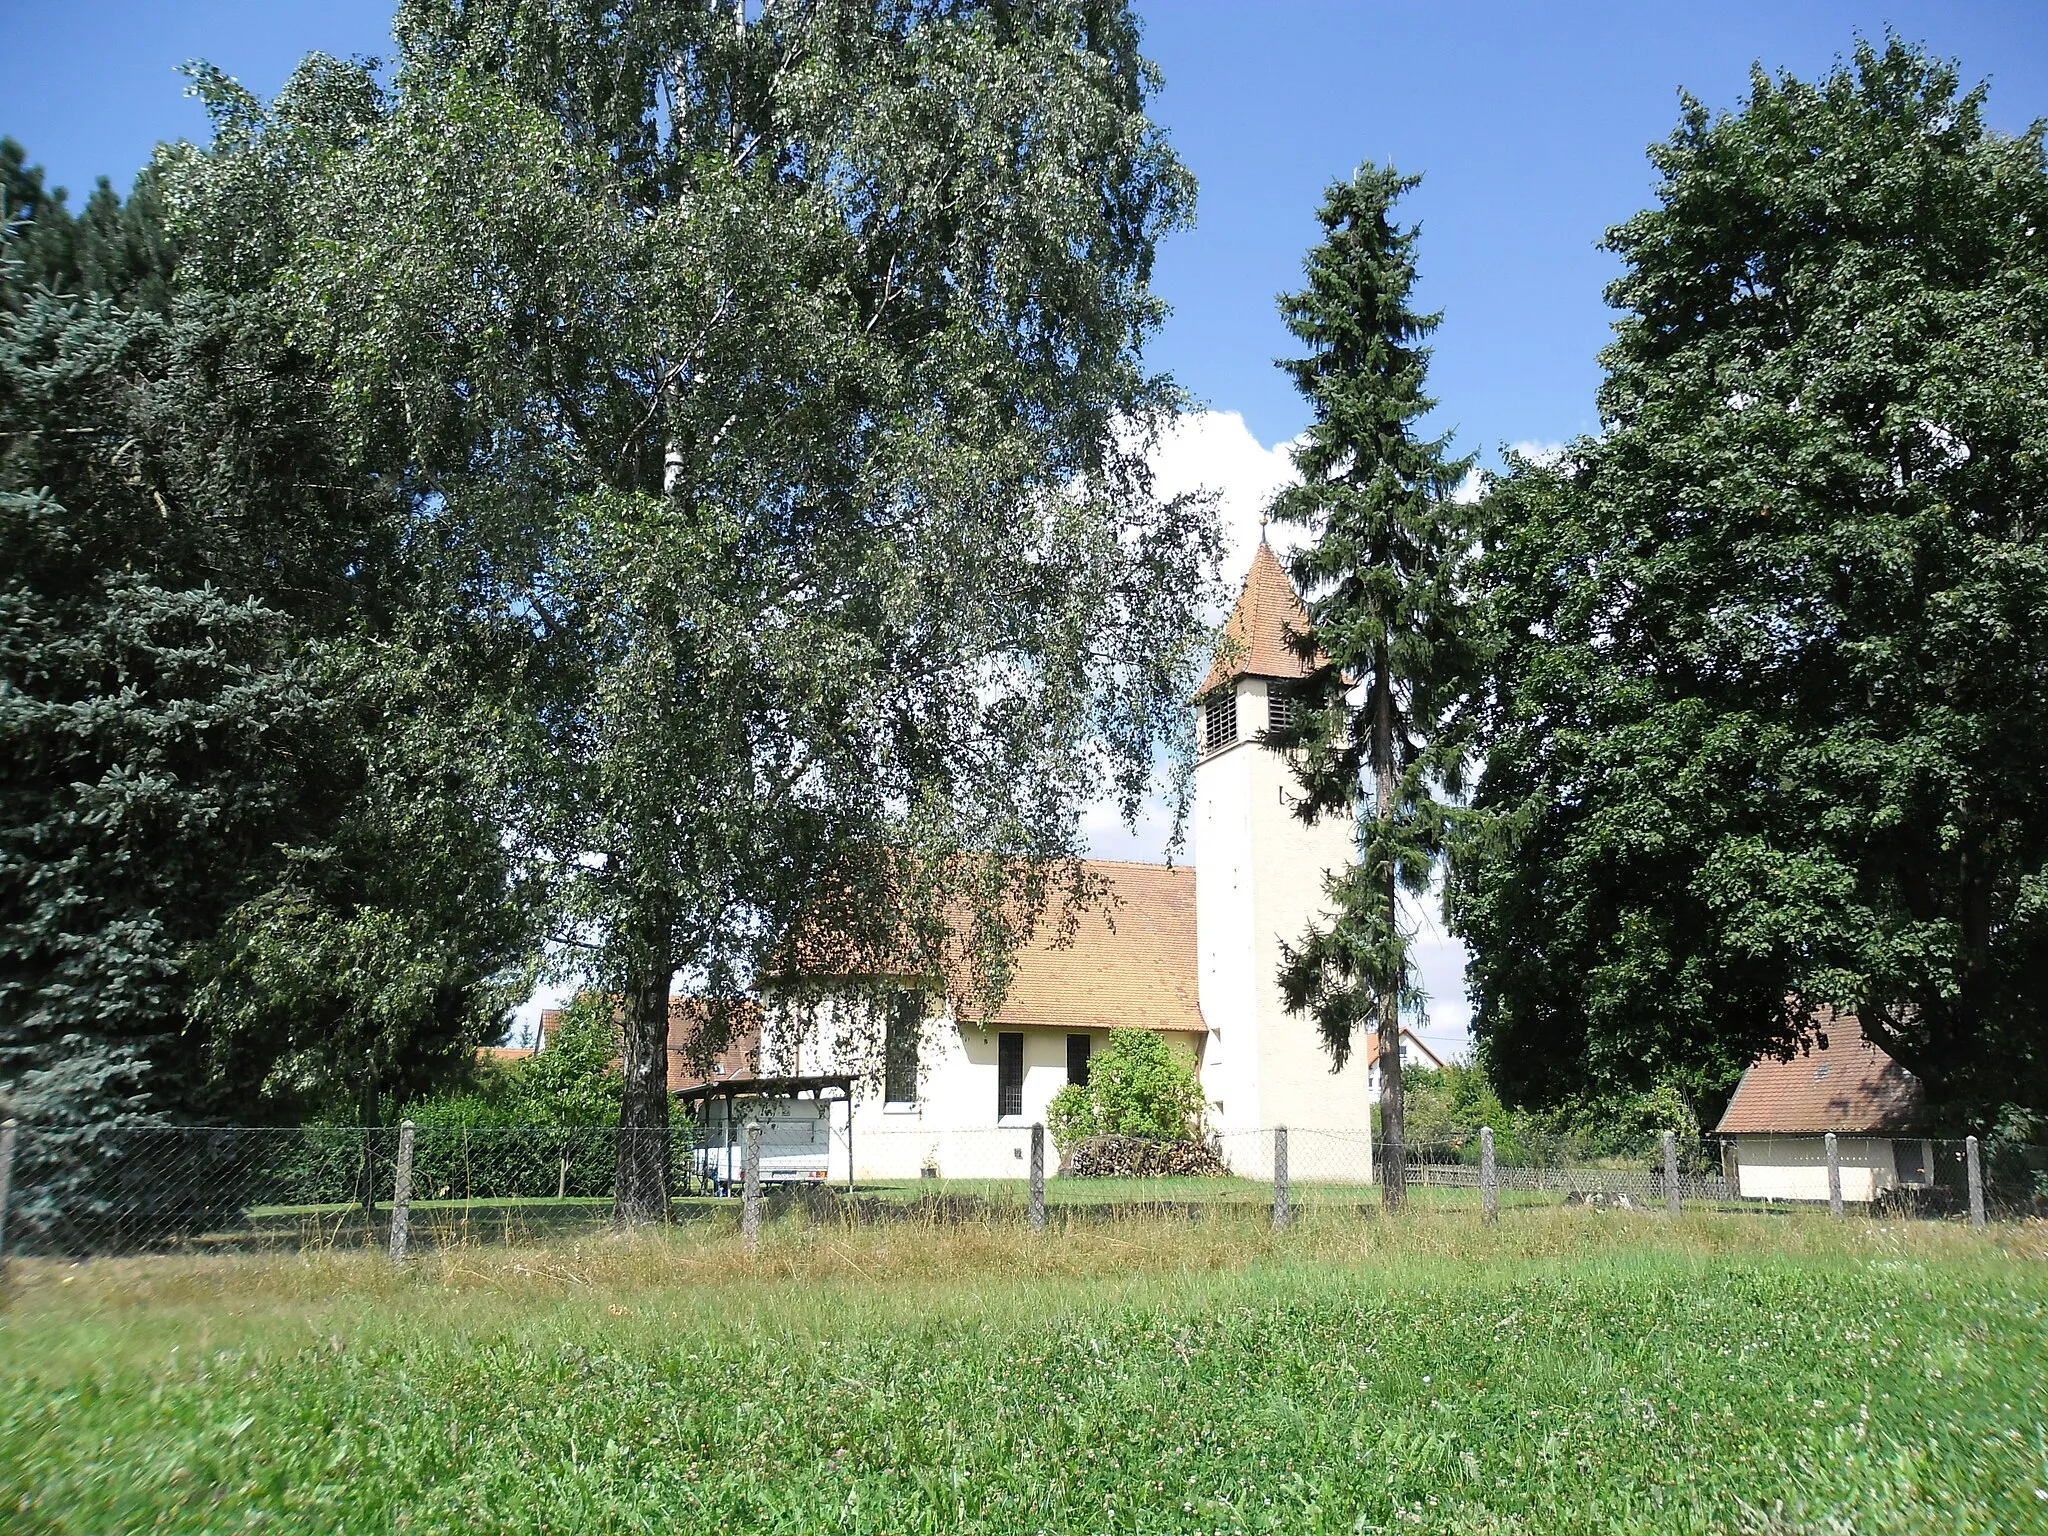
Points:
[[1260, 883], [1796, 1167], [952, 1125]]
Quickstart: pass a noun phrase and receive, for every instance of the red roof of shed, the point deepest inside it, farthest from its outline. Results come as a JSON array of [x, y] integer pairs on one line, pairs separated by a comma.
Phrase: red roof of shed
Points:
[[1849, 1086]]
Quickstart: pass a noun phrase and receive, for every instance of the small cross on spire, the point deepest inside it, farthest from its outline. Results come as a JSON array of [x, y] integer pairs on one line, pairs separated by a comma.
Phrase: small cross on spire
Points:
[[1264, 518]]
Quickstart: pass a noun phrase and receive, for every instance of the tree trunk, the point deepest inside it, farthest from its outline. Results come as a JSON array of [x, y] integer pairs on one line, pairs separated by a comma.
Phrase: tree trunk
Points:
[[642, 1193], [1393, 1108]]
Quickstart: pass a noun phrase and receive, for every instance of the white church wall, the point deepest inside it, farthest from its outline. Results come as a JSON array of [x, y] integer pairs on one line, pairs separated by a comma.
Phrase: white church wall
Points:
[[1259, 884], [1228, 981], [952, 1124]]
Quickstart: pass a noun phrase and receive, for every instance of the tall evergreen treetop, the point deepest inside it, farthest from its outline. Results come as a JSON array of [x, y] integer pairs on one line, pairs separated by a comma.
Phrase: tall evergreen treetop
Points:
[[1385, 640]]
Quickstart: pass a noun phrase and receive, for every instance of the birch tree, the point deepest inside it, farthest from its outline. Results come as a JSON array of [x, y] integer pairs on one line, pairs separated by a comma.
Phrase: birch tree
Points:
[[770, 386]]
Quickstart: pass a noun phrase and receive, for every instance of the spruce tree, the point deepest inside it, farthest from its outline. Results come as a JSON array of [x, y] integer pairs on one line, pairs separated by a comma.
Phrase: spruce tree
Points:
[[1375, 736]]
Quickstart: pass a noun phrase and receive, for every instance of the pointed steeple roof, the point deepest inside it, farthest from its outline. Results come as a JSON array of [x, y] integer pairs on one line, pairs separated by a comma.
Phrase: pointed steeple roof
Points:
[[1255, 639]]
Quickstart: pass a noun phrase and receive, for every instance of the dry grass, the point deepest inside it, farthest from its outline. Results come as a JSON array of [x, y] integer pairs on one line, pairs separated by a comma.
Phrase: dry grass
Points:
[[917, 1260]]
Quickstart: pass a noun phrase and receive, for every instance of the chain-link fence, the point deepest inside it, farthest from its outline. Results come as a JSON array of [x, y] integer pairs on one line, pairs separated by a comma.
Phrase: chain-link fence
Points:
[[113, 1190], [125, 1190]]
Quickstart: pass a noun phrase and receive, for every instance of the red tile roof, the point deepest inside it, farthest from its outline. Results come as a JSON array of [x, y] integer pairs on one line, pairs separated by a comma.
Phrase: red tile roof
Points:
[[1849, 1086], [1255, 636], [1130, 963]]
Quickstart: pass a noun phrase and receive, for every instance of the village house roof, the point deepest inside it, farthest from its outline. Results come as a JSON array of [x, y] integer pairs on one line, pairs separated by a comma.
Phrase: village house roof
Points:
[[1372, 1048], [1255, 636], [1849, 1086], [1129, 964]]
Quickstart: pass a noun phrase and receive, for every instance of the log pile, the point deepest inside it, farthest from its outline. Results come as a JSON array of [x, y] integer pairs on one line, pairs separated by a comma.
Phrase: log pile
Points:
[[1138, 1157]]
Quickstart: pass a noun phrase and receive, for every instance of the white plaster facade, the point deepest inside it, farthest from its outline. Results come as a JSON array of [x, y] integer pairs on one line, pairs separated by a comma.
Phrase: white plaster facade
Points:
[[1260, 873], [1785, 1167], [952, 1125]]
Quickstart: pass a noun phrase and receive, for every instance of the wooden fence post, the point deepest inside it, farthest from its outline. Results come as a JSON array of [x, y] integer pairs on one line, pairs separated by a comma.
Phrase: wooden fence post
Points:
[[1834, 1152], [1671, 1202], [6, 1191], [1038, 1178], [1489, 1178], [401, 1194], [1283, 1212], [1974, 1161], [750, 1190]]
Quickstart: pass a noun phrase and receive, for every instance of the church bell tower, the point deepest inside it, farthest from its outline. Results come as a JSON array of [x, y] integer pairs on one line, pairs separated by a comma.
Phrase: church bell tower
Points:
[[1259, 882]]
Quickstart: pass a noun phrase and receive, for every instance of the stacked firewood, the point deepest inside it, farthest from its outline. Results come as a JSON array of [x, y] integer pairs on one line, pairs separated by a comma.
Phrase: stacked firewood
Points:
[[1139, 1157]]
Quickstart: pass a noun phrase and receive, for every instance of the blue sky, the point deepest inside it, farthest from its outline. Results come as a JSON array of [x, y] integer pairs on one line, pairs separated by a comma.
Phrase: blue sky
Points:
[[1528, 122]]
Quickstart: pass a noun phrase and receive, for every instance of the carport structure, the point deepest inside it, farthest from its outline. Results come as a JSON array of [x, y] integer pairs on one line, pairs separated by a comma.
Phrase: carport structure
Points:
[[721, 1110]]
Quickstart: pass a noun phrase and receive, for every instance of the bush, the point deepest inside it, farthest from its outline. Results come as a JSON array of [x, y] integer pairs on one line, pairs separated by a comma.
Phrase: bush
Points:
[[1138, 1085], [1071, 1117]]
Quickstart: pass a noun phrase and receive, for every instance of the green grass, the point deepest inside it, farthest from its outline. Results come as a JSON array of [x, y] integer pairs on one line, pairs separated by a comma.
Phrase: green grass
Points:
[[1568, 1371]]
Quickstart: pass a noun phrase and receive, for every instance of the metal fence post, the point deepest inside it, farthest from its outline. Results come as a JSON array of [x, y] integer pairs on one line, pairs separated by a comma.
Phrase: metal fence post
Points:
[[750, 1190], [1283, 1213], [1489, 1178], [1671, 1202], [1834, 1152], [1974, 1161], [401, 1194], [6, 1191], [1038, 1178]]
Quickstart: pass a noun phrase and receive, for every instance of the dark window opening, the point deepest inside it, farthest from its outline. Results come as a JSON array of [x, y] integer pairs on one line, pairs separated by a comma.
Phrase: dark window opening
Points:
[[1220, 718], [1009, 1075], [1283, 707], [899, 1049], [1079, 1048]]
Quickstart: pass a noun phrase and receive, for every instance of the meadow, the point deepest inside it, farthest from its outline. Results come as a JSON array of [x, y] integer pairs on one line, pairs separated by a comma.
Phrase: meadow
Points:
[[1567, 1371]]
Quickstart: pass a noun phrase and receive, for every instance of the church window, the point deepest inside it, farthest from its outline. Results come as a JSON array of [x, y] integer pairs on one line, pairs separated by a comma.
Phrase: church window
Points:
[[1079, 1048], [1220, 719], [1283, 707], [1009, 1075], [899, 1048]]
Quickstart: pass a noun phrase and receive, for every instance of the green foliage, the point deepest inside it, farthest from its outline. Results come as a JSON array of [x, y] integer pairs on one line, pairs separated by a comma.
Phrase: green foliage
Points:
[[1381, 577], [1589, 1376], [1448, 1107], [1770, 712], [575, 1081], [1138, 1085], [243, 871], [772, 389], [1070, 1118]]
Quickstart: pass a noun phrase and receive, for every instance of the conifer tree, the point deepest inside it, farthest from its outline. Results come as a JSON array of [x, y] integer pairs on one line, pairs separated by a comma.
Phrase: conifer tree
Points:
[[1375, 735]]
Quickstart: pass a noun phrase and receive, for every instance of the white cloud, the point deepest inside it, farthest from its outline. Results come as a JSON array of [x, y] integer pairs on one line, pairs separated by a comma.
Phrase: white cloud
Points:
[[1216, 451], [1537, 452]]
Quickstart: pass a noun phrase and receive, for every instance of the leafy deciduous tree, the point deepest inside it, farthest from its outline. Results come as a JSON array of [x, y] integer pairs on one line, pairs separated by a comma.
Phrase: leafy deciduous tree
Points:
[[1773, 647], [776, 385]]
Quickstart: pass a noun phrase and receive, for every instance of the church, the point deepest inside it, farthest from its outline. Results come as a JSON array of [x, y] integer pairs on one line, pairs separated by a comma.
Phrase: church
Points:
[[1190, 951]]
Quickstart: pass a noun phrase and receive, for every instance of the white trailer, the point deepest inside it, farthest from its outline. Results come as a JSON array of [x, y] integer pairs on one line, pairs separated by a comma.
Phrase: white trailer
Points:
[[798, 1121]]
